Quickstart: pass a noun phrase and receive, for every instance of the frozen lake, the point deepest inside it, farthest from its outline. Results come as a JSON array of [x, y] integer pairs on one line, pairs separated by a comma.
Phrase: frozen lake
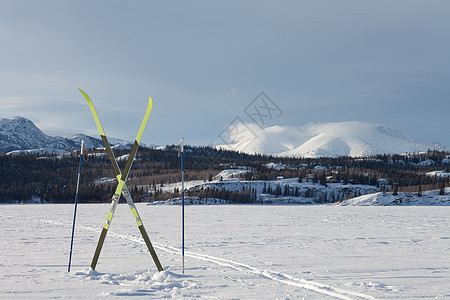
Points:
[[232, 251]]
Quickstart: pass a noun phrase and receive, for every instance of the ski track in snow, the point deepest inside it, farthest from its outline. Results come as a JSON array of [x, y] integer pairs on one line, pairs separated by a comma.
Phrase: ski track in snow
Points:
[[279, 277]]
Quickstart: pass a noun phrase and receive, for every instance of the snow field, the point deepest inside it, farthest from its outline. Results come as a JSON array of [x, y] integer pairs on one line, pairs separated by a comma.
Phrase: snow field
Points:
[[233, 251]]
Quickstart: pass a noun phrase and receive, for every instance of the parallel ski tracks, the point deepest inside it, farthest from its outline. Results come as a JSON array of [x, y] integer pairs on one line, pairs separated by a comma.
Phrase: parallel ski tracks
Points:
[[279, 277]]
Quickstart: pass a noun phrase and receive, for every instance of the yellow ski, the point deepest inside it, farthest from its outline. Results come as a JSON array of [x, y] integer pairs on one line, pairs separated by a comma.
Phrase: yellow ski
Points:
[[121, 186]]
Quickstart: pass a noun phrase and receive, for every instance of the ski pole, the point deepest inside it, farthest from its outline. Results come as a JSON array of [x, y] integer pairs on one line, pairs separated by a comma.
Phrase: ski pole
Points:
[[180, 154], [76, 202]]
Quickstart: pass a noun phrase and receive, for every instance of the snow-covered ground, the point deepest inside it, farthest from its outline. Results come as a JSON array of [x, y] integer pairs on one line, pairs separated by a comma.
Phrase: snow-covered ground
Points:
[[233, 252], [231, 173], [441, 174], [39, 151], [427, 198]]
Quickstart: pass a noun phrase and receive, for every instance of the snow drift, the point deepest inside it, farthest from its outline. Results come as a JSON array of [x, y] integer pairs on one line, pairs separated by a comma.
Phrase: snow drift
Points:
[[406, 199]]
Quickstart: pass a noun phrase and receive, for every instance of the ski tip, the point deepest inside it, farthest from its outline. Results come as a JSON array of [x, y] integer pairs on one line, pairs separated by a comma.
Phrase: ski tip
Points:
[[84, 93], [85, 96]]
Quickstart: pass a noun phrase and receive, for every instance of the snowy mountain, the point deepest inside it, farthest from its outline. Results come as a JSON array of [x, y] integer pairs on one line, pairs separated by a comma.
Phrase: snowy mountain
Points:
[[19, 133], [89, 141], [326, 139]]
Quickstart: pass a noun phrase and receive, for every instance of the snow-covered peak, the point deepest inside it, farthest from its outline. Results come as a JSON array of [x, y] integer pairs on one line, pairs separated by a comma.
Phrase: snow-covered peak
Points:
[[19, 133], [89, 142], [326, 139], [18, 125]]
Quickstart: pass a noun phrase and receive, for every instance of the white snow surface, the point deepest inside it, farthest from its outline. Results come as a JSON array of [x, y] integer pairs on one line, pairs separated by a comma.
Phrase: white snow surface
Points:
[[324, 140], [123, 157], [441, 174], [231, 174], [232, 252], [190, 201]]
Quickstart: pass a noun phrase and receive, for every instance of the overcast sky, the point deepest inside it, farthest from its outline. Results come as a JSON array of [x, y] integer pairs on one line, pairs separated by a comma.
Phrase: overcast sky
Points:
[[204, 62]]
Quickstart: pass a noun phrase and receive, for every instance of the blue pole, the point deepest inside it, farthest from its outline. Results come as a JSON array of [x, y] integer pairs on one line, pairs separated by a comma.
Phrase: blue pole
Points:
[[182, 201], [76, 202]]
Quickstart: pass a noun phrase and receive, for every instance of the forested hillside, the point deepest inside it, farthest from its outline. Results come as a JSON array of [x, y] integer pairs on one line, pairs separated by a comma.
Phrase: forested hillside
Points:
[[52, 178]]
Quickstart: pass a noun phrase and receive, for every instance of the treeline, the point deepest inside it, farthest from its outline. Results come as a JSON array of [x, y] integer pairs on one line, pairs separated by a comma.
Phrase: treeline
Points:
[[49, 178], [237, 197], [319, 195], [52, 178]]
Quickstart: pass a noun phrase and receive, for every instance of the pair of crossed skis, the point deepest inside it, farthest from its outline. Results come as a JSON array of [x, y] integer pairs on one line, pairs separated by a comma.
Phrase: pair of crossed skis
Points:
[[121, 185]]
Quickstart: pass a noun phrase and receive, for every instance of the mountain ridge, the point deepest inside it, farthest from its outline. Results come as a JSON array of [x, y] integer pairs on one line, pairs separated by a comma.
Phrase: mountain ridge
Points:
[[352, 138], [19, 133]]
